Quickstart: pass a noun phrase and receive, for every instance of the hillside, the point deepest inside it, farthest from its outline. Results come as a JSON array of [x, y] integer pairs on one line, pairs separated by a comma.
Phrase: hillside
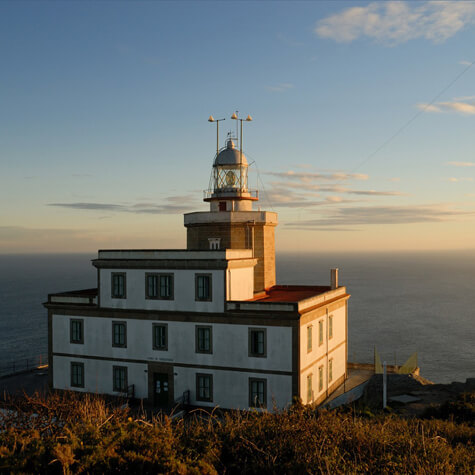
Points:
[[66, 433]]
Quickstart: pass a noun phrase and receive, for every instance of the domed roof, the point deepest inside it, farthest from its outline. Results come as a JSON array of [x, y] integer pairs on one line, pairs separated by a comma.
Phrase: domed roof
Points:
[[230, 156]]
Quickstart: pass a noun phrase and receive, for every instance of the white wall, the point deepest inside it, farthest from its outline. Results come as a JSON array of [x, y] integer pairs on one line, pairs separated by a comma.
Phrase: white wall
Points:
[[334, 348], [184, 291], [230, 343], [231, 388], [339, 323], [240, 283], [230, 349], [98, 375]]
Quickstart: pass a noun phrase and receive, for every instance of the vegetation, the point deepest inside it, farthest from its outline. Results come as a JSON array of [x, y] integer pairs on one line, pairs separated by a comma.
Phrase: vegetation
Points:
[[69, 433]]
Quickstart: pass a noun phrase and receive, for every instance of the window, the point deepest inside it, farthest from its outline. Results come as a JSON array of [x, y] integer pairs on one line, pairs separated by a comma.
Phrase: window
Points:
[[214, 243], [309, 388], [257, 392], [204, 387], [119, 334], [118, 285], [77, 375], [203, 287], [330, 369], [222, 206], [320, 378], [320, 333], [309, 339], [159, 286], [204, 343], [160, 336], [76, 331], [330, 326], [257, 342], [119, 376]]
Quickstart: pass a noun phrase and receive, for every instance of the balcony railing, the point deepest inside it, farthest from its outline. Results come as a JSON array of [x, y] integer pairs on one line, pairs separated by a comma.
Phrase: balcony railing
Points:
[[226, 192]]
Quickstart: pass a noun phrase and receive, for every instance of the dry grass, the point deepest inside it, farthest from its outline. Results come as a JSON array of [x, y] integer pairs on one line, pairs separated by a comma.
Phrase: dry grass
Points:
[[69, 433]]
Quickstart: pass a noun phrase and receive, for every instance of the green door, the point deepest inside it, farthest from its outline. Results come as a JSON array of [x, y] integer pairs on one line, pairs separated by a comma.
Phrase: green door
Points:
[[160, 389]]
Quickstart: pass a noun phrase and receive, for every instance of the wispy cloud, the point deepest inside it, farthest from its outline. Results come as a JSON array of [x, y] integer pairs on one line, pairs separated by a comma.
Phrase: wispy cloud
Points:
[[458, 180], [308, 189], [366, 215], [465, 63], [466, 108], [172, 205], [282, 87], [306, 177], [461, 164], [396, 22]]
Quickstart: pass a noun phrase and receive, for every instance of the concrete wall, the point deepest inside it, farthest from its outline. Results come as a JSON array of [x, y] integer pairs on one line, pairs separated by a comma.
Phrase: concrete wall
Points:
[[98, 375], [240, 283], [229, 345], [231, 388], [184, 291], [332, 348]]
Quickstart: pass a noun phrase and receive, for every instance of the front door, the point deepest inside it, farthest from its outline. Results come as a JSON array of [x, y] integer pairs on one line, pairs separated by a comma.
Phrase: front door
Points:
[[160, 389]]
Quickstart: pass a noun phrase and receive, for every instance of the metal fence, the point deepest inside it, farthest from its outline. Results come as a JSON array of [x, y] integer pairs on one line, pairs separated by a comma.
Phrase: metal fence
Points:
[[8, 368]]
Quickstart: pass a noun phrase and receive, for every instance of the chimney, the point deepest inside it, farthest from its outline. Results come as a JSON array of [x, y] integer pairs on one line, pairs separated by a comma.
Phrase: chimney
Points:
[[334, 279]]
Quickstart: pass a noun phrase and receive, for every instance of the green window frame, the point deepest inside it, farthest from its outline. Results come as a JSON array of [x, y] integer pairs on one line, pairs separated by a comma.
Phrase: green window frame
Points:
[[309, 388], [76, 331], [320, 378], [330, 370], [204, 339], [257, 392], [159, 286], [309, 338], [330, 326], [119, 379], [258, 342], [160, 336], [118, 285], [77, 374], [320, 333], [119, 334], [203, 287], [204, 387]]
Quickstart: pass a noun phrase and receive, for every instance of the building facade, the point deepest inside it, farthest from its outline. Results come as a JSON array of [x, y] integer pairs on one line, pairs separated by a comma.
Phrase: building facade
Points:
[[208, 320]]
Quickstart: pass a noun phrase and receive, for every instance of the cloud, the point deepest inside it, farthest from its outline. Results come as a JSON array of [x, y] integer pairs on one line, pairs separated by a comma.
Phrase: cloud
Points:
[[280, 87], [376, 193], [465, 63], [297, 189], [457, 180], [466, 108], [397, 22], [461, 164], [376, 215], [306, 177], [172, 205]]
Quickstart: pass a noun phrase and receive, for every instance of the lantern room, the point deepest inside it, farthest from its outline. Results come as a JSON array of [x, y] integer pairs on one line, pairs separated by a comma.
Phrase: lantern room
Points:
[[228, 188]]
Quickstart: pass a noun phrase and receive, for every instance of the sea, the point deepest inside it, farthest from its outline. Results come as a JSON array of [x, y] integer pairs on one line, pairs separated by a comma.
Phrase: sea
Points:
[[401, 303]]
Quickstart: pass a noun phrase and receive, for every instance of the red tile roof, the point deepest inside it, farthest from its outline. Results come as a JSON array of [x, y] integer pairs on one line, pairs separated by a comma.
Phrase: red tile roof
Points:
[[290, 293]]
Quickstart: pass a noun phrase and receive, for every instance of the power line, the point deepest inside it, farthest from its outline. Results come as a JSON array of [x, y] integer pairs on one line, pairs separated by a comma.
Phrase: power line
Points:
[[413, 118]]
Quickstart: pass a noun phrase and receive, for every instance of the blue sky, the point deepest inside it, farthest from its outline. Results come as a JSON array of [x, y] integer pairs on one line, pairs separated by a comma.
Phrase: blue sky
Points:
[[105, 141]]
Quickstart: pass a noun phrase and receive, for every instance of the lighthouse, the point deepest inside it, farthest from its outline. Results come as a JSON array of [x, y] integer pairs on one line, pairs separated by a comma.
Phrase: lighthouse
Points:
[[231, 222]]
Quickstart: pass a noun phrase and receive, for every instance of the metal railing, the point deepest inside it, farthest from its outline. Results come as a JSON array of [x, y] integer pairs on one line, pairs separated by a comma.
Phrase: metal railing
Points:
[[184, 399], [207, 194], [8, 368], [131, 391]]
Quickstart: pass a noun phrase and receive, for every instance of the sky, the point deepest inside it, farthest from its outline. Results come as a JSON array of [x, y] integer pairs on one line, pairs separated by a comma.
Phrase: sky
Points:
[[362, 139]]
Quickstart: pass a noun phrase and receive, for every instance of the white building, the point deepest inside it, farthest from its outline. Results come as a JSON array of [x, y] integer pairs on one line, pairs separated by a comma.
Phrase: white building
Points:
[[209, 319]]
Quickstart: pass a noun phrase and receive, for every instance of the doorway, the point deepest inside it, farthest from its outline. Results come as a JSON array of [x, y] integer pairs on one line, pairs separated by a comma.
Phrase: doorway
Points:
[[160, 389]]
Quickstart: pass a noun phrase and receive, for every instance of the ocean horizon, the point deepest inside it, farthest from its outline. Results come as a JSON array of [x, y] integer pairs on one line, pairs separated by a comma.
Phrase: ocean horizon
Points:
[[400, 303]]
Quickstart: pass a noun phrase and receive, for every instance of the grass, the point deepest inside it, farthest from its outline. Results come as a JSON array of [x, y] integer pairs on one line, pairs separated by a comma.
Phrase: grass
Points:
[[71, 433]]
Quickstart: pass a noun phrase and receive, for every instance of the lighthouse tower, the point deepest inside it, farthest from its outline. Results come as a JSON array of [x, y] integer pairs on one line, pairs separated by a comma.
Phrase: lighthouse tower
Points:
[[231, 222]]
